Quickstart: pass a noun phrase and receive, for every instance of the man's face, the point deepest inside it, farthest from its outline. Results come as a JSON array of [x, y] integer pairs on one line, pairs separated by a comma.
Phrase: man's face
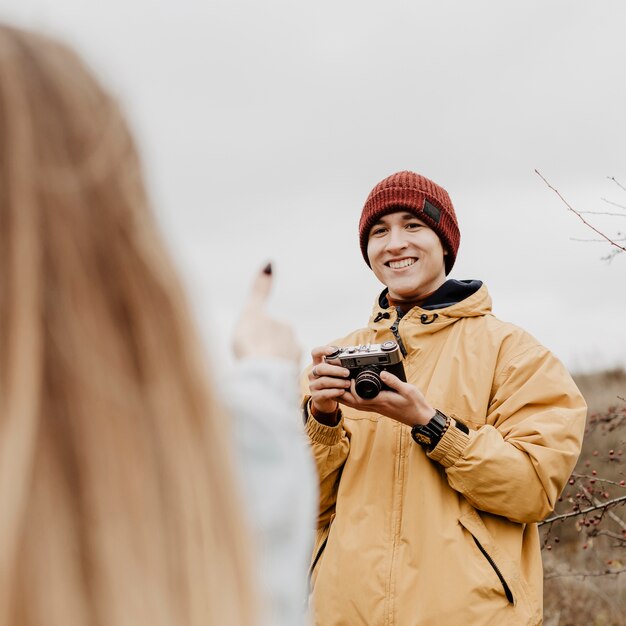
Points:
[[406, 256]]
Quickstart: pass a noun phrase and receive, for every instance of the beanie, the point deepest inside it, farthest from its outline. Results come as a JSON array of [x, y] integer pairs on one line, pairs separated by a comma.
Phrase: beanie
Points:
[[418, 195]]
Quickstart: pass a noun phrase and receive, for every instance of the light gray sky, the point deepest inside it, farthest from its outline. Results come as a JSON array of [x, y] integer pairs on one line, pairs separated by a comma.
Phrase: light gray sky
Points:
[[264, 125]]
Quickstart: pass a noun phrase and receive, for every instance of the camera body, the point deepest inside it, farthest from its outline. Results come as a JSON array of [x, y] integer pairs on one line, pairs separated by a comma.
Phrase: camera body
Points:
[[365, 363]]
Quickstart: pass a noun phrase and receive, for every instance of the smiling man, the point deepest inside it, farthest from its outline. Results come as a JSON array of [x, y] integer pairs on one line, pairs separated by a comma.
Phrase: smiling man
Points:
[[430, 492]]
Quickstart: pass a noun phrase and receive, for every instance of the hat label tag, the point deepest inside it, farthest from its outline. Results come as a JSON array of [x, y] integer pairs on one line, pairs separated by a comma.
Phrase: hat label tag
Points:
[[432, 211]]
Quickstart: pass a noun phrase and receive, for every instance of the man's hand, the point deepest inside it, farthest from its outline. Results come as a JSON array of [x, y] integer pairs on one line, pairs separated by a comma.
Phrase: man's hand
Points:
[[327, 382], [405, 403]]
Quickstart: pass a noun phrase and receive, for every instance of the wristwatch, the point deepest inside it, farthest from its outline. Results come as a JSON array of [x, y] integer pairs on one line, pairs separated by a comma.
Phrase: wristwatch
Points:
[[429, 435]]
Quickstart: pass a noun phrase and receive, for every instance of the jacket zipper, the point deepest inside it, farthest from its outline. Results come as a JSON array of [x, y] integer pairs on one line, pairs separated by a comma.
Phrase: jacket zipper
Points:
[[507, 590], [320, 550], [389, 606], [317, 557], [389, 609]]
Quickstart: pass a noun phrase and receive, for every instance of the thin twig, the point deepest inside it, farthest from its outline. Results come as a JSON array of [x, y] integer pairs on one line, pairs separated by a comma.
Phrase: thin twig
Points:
[[619, 206], [590, 509], [618, 520], [573, 210], [616, 182], [607, 572], [593, 240], [612, 535], [602, 213]]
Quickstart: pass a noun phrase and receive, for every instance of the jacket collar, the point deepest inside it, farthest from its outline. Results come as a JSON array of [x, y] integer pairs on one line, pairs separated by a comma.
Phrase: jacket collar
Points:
[[451, 292], [454, 300]]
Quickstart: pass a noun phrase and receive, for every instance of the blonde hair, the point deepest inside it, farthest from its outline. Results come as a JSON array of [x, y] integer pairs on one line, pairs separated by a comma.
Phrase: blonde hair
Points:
[[118, 504]]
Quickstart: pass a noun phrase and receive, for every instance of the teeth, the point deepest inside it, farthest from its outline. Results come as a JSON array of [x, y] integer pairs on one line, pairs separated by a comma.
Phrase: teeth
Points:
[[396, 265]]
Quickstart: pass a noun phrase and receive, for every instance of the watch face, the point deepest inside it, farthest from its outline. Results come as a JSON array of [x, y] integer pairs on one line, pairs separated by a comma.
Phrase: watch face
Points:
[[421, 439]]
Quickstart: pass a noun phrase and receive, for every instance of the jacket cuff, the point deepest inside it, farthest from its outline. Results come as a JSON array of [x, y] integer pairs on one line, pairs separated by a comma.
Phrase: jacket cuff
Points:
[[451, 446], [320, 433]]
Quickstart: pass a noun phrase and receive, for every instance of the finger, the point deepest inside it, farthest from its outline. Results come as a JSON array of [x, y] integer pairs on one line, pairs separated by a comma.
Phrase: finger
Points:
[[328, 394], [351, 397], [348, 399], [392, 381], [328, 382], [318, 353], [322, 369], [260, 290]]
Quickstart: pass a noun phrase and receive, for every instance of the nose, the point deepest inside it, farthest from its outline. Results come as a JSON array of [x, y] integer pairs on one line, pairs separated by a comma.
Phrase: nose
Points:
[[396, 240]]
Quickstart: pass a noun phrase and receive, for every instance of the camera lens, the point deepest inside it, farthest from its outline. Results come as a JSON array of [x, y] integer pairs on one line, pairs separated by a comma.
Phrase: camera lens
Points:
[[367, 383]]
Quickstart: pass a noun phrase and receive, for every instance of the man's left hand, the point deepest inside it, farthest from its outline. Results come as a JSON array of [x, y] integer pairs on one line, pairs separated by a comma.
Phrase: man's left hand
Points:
[[404, 403]]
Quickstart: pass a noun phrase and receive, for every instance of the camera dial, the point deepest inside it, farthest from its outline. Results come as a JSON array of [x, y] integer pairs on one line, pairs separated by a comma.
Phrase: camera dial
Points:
[[333, 355], [388, 346]]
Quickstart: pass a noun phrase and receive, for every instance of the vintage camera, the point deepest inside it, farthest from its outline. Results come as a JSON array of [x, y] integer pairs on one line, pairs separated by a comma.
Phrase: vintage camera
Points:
[[366, 362]]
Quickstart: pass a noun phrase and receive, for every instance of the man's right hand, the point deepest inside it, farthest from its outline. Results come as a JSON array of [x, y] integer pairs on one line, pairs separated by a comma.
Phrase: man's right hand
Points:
[[327, 381]]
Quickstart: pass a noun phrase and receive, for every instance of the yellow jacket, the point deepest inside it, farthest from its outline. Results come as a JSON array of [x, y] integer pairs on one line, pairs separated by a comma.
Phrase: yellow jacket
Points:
[[449, 538]]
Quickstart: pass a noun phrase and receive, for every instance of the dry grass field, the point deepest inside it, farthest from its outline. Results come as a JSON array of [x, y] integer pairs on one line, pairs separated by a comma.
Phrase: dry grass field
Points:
[[584, 555]]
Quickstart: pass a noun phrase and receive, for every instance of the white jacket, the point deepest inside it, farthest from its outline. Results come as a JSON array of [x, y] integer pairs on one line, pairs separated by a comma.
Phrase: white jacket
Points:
[[279, 481]]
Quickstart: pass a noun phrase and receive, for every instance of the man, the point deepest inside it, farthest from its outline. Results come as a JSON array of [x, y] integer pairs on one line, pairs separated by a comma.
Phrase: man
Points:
[[430, 492]]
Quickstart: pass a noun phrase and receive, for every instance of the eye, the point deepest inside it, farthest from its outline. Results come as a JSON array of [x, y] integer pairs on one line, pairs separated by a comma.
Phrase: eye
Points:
[[378, 230], [413, 225]]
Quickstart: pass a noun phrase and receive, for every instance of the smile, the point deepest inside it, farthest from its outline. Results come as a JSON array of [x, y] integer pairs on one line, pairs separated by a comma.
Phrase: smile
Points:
[[396, 265]]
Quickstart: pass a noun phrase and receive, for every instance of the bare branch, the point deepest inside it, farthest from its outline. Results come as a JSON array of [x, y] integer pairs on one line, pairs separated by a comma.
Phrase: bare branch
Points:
[[593, 240], [616, 182], [618, 520], [599, 479], [577, 213], [612, 535], [607, 572], [591, 509], [602, 213], [611, 255], [620, 206]]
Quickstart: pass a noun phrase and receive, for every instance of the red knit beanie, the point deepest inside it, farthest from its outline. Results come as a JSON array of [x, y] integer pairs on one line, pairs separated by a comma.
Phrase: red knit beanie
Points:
[[416, 194]]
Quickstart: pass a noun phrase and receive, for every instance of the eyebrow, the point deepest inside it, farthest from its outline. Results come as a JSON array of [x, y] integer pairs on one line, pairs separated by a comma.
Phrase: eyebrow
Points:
[[406, 216]]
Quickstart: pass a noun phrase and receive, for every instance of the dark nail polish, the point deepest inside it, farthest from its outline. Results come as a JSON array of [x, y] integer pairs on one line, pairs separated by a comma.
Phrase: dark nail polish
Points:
[[268, 269]]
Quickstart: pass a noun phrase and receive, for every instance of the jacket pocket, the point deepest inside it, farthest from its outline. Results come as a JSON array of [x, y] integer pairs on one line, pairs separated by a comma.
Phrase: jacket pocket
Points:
[[321, 540], [482, 540], [507, 590]]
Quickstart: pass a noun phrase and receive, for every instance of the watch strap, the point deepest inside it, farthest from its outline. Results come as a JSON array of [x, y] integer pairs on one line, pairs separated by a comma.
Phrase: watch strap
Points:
[[428, 435]]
